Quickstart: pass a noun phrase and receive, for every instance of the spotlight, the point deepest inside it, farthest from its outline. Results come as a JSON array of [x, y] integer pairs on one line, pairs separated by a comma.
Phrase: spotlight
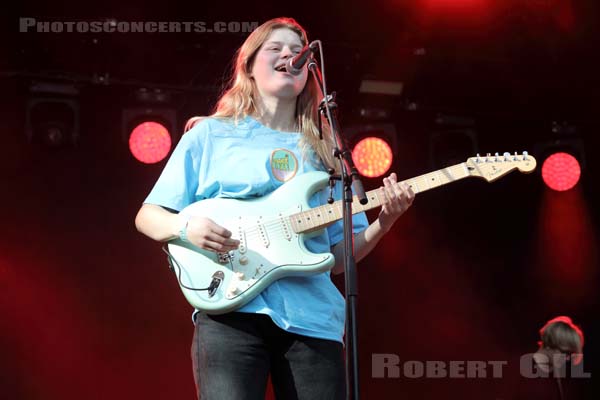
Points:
[[52, 115], [562, 158], [150, 142], [148, 128], [561, 171], [373, 148]]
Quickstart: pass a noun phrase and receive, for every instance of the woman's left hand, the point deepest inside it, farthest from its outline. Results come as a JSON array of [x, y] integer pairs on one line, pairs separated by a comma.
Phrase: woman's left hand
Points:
[[398, 198]]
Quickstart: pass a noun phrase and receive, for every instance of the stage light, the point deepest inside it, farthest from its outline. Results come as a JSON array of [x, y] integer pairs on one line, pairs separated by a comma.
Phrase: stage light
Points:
[[52, 115], [372, 156], [561, 171], [373, 137], [148, 128], [373, 148], [150, 142], [562, 158]]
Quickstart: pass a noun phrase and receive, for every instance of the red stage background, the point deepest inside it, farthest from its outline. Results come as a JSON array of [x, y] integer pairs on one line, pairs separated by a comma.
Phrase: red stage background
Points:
[[88, 307]]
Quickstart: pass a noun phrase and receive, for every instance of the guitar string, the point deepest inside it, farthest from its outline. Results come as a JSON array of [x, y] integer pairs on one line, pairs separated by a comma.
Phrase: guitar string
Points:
[[324, 208], [284, 223], [428, 180], [319, 214], [420, 183], [276, 225]]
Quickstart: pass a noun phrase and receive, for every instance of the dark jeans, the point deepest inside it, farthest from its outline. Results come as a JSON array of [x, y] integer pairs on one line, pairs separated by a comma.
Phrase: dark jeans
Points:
[[234, 353]]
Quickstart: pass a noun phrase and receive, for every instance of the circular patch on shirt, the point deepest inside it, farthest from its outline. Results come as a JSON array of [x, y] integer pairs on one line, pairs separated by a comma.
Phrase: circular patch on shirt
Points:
[[284, 164]]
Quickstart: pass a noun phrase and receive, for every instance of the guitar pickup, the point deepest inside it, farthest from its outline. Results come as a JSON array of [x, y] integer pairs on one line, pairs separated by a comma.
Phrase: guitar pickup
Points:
[[262, 232], [286, 228], [242, 238]]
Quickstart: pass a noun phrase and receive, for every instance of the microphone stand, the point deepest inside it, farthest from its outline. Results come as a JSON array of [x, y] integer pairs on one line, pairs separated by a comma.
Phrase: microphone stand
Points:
[[560, 389], [350, 178]]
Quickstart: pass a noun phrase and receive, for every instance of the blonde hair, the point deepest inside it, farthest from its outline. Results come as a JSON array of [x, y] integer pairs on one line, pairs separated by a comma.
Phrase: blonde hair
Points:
[[238, 101], [561, 333]]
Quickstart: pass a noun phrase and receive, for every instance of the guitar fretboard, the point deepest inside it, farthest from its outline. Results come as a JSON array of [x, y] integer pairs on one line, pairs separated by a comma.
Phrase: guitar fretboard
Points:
[[322, 216]]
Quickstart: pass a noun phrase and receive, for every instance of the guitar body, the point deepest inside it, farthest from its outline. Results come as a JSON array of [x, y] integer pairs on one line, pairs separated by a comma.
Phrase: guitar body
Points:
[[269, 248], [272, 230]]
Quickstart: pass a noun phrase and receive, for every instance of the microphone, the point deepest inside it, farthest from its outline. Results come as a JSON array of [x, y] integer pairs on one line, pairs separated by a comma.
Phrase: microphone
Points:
[[295, 64]]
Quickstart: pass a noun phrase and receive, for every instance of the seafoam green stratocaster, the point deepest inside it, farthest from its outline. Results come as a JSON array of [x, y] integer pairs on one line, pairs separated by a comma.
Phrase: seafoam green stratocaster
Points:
[[272, 230]]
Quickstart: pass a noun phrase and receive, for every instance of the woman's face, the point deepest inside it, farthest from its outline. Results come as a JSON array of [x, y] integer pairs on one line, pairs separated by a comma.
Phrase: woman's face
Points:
[[281, 45]]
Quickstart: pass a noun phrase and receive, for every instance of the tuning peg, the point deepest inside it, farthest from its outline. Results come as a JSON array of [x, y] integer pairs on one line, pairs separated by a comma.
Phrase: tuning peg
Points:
[[525, 154], [506, 156], [478, 160]]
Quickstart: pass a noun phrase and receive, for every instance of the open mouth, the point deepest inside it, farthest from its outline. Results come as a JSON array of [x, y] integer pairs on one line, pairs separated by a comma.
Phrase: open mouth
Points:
[[281, 68]]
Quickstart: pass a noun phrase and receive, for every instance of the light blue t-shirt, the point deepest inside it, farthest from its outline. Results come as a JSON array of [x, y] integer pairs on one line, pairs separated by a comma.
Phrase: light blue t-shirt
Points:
[[219, 159]]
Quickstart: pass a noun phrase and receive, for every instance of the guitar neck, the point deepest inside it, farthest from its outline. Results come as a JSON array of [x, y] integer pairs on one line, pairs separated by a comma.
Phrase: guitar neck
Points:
[[322, 216]]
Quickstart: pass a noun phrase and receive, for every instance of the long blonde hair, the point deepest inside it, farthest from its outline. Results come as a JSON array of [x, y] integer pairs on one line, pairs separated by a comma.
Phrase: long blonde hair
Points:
[[238, 101]]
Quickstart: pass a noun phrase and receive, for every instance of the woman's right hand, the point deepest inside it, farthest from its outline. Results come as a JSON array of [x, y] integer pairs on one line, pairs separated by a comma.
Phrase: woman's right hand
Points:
[[207, 234]]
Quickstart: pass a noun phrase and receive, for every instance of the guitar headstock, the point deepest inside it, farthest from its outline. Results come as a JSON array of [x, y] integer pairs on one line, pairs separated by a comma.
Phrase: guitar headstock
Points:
[[492, 167]]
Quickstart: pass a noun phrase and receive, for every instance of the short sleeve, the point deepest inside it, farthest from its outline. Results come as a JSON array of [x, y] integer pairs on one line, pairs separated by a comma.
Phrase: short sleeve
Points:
[[178, 183]]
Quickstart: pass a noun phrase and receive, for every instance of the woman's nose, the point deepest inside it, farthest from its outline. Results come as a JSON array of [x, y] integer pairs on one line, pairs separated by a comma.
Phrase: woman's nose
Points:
[[286, 52]]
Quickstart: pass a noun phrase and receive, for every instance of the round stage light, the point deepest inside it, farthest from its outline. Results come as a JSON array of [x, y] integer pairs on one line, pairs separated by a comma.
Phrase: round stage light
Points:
[[561, 171], [150, 142], [372, 157]]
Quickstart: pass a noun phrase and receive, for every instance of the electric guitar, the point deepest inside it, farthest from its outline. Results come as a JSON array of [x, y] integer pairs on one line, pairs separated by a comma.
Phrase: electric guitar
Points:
[[272, 230]]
